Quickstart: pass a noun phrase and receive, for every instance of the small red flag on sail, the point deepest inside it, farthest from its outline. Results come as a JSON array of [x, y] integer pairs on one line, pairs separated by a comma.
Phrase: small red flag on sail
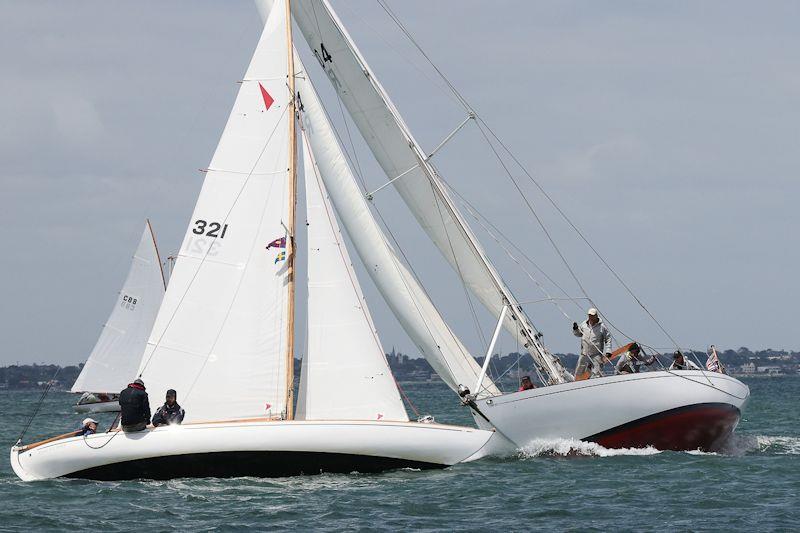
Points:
[[268, 100]]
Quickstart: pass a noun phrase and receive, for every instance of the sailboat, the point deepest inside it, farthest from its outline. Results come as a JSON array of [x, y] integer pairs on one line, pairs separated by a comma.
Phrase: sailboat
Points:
[[224, 333], [118, 350], [676, 410]]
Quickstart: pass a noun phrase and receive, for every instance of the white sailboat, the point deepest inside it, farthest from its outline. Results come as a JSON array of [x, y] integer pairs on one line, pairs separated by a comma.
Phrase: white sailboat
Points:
[[118, 351], [672, 410], [224, 334]]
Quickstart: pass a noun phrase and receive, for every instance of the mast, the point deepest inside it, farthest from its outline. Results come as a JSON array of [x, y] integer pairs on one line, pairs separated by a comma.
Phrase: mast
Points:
[[291, 222], [158, 255]]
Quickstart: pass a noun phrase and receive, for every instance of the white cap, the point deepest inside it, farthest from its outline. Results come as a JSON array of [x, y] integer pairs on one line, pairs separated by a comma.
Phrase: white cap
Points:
[[592, 312], [87, 421]]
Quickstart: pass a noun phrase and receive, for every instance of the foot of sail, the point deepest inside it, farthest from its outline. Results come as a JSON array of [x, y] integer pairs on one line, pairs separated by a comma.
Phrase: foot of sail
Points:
[[700, 426]]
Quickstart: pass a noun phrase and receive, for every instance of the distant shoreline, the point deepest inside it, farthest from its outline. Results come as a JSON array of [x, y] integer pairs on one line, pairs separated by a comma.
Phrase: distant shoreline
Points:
[[742, 362]]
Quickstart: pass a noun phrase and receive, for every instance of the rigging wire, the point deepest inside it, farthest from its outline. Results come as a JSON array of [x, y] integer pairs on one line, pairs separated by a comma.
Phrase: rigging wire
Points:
[[38, 405], [479, 121]]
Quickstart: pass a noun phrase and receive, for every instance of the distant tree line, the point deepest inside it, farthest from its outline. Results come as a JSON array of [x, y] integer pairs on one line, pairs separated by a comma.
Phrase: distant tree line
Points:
[[405, 368]]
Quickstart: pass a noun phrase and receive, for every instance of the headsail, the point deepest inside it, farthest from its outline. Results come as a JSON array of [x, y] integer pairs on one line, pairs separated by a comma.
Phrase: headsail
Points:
[[401, 157], [345, 374], [220, 338], [406, 298], [115, 357]]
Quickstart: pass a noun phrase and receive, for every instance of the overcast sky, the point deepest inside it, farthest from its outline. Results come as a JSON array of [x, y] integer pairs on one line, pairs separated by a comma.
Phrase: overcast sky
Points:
[[668, 131]]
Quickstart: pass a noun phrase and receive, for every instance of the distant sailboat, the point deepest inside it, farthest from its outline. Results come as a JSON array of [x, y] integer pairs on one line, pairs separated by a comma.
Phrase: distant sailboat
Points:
[[118, 352], [224, 334]]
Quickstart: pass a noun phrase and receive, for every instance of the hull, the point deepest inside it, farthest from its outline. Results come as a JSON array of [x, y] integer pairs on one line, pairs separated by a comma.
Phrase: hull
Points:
[[97, 407], [669, 410], [254, 448]]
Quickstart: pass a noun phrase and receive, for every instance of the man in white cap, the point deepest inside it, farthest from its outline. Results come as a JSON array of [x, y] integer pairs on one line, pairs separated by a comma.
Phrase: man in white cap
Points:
[[595, 342], [88, 427]]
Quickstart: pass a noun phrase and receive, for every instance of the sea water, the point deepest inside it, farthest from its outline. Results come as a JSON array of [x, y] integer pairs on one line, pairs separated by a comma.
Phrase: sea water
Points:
[[753, 484]]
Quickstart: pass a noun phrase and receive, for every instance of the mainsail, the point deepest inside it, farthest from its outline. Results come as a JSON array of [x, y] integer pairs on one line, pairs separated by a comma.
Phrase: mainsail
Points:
[[411, 171], [401, 291], [220, 338], [345, 375], [115, 357]]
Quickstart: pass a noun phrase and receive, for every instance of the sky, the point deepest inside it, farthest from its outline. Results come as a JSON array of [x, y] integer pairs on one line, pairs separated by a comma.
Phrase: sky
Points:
[[669, 133]]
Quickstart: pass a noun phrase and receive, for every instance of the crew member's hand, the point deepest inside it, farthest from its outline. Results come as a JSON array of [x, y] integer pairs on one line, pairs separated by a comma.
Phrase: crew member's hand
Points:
[[574, 325]]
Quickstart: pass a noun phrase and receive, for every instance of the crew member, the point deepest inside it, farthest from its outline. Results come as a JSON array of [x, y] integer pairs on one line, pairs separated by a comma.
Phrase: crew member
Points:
[[170, 412], [679, 362], [631, 361], [134, 407], [526, 383], [595, 341]]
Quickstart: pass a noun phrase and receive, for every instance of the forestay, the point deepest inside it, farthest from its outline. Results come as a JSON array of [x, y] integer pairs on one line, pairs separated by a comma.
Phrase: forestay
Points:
[[401, 157], [220, 336], [401, 291], [116, 356], [345, 375]]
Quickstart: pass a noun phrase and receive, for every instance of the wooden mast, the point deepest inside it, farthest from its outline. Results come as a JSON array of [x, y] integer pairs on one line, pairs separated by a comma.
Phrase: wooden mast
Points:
[[158, 255], [290, 244]]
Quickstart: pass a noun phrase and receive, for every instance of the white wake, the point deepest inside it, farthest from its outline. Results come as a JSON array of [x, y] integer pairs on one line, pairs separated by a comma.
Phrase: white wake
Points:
[[737, 445], [575, 447]]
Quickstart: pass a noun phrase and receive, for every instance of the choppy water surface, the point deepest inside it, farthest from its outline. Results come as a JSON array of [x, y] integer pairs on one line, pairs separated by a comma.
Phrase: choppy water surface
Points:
[[753, 485]]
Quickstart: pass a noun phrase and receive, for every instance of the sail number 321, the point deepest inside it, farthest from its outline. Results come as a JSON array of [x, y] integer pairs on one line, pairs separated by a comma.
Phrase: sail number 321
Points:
[[209, 229]]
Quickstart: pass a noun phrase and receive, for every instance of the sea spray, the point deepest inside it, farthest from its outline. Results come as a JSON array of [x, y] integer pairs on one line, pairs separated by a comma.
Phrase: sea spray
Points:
[[574, 448]]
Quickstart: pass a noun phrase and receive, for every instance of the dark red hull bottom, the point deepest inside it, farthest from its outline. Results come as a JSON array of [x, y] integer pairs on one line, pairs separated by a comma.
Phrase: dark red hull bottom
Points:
[[702, 426]]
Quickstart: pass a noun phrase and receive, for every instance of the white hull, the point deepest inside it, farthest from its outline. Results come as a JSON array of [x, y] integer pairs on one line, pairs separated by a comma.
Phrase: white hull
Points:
[[97, 407], [666, 409], [254, 448]]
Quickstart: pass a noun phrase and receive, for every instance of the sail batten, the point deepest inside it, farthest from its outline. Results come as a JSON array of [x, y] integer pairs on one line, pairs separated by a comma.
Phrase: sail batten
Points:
[[396, 150]]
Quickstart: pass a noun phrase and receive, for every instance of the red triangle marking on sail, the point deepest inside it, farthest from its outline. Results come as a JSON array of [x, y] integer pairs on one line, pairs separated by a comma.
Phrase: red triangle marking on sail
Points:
[[268, 100]]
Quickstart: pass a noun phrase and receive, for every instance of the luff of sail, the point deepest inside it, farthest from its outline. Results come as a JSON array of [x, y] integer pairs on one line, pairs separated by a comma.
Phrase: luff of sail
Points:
[[220, 338], [345, 375], [399, 154], [401, 291], [116, 356]]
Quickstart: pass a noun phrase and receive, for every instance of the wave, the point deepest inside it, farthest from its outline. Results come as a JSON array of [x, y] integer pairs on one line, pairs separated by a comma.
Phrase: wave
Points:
[[577, 448], [736, 445], [779, 445], [743, 444]]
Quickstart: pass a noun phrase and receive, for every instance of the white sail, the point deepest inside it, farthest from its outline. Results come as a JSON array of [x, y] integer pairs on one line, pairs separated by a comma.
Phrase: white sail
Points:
[[220, 336], [115, 358], [401, 157], [405, 297], [345, 375]]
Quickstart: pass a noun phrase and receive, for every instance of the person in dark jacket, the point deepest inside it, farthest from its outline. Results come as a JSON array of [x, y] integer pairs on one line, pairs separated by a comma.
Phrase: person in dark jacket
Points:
[[134, 407], [170, 412]]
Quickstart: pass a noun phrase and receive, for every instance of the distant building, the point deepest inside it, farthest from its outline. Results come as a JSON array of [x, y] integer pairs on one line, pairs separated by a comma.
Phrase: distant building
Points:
[[749, 368]]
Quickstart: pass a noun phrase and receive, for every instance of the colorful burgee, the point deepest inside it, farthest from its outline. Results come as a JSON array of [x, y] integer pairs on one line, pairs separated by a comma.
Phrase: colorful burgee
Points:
[[277, 243]]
